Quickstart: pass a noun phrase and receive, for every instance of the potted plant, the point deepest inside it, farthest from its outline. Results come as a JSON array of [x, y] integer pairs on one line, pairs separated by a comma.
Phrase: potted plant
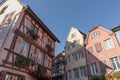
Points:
[[35, 37], [31, 32], [41, 70], [116, 75], [22, 61], [94, 77], [49, 48]]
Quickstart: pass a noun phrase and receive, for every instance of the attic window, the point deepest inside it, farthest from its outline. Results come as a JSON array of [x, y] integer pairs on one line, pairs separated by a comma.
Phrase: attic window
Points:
[[3, 9], [73, 35], [95, 34]]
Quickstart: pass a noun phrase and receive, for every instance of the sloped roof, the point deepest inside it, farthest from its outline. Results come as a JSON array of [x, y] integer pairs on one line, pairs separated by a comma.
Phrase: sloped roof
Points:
[[95, 27], [45, 27], [116, 28], [36, 17]]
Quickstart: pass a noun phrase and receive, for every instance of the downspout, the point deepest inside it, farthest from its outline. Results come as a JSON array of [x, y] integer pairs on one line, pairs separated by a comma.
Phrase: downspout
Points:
[[86, 61]]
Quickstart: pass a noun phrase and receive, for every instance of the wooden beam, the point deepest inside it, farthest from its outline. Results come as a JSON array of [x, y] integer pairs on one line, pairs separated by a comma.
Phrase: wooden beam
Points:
[[27, 39], [12, 52]]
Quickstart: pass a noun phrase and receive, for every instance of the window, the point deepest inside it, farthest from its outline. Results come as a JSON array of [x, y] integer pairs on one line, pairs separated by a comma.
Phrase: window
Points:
[[13, 77], [95, 34], [22, 47], [70, 74], [42, 58], [80, 54], [34, 29], [73, 35], [108, 43], [98, 47], [93, 68], [82, 71], [69, 59], [73, 57], [25, 48], [70, 46], [76, 43], [76, 73], [7, 18], [115, 63], [76, 56]]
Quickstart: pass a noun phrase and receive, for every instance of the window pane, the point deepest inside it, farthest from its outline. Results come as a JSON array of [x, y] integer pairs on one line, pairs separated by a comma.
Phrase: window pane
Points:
[[22, 47], [115, 63], [93, 68], [108, 43], [82, 72]]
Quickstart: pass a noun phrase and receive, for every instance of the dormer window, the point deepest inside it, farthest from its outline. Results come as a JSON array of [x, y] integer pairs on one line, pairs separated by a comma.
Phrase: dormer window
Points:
[[95, 34], [73, 35]]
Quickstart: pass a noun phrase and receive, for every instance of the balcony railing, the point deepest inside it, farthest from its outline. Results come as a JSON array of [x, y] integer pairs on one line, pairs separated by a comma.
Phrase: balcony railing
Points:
[[21, 63], [26, 38]]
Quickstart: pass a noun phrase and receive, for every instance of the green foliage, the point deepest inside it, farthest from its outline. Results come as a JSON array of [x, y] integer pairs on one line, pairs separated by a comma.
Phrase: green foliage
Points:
[[22, 61], [94, 77], [41, 69], [105, 77], [116, 75]]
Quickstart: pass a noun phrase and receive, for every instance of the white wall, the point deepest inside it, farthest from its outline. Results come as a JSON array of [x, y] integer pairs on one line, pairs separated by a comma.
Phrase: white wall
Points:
[[13, 5], [118, 35]]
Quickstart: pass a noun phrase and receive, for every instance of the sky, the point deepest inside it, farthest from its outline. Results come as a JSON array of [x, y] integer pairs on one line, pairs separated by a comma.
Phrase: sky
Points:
[[60, 15]]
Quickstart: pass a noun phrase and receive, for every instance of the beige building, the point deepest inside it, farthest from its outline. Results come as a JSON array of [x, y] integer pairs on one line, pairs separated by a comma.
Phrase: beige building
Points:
[[75, 55]]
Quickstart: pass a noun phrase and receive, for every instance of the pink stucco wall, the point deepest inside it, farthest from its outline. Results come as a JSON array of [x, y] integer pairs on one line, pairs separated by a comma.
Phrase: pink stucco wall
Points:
[[104, 54]]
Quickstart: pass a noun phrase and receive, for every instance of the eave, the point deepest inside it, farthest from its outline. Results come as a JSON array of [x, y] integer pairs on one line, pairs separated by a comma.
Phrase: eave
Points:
[[43, 25]]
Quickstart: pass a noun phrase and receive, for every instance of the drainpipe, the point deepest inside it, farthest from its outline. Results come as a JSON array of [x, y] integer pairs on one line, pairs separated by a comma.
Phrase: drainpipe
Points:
[[86, 61]]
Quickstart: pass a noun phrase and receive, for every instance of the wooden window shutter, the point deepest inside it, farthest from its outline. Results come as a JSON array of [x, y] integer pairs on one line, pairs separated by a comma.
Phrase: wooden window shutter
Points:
[[96, 47], [100, 48]]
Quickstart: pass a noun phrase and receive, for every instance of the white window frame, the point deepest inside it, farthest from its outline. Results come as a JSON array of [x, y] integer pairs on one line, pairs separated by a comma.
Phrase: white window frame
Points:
[[95, 34], [108, 43], [116, 62], [82, 72], [93, 68]]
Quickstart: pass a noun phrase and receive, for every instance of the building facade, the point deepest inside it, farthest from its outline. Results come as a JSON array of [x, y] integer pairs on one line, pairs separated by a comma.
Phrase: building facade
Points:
[[58, 67], [26, 44], [102, 51], [116, 31], [75, 55]]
